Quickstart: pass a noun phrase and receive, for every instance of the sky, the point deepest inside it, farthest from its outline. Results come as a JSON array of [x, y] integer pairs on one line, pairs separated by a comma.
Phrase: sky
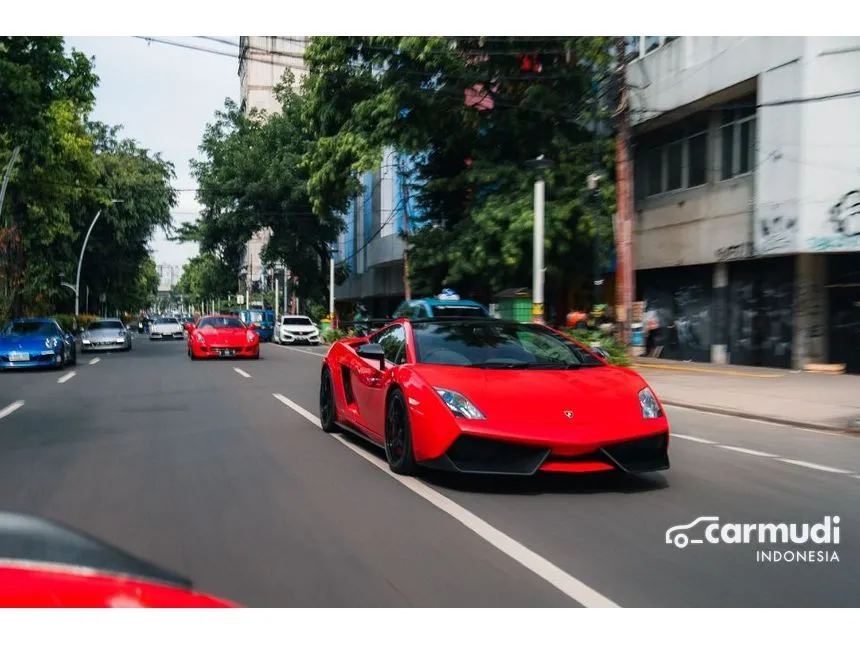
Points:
[[163, 96]]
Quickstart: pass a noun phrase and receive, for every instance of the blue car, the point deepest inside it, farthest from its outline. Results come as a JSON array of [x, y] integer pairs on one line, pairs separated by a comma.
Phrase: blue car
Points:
[[36, 342], [447, 305]]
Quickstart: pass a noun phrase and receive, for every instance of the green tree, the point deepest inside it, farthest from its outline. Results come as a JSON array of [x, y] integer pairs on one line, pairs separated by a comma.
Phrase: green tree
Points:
[[206, 277], [366, 93], [69, 169], [252, 177]]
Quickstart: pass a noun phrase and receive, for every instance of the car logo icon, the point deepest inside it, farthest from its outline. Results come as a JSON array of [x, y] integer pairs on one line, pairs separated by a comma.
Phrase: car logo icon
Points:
[[568, 414]]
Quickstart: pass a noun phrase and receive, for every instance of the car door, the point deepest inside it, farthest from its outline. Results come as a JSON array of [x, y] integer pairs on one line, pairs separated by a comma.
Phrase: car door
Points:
[[371, 383]]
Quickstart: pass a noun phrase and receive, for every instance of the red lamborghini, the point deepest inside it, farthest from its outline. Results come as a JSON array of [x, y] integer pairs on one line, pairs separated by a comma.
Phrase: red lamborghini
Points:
[[44, 564], [222, 336], [493, 397]]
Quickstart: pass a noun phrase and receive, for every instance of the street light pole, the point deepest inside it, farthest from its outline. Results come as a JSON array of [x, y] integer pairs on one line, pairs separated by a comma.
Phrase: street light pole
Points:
[[331, 312], [81, 259], [540, 164], [537, 261]]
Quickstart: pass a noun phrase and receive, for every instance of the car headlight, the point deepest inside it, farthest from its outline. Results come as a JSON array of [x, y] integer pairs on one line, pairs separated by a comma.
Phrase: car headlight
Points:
[[650, 408], [459, 404], [250, 336], [200, 339], [52, 343]]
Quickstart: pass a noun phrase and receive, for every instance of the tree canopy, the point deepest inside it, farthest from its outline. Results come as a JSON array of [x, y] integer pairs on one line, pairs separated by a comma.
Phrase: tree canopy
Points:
[[68, 170], [206, 277], [252, 177], [473, 111]]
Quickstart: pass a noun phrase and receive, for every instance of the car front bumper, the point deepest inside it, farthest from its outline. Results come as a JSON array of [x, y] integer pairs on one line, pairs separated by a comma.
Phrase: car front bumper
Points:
[[225, 351], [103, 345], [291, 338], [176, 335], [47, 358]]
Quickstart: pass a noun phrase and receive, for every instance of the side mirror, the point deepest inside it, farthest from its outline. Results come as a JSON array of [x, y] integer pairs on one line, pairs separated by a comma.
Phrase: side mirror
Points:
[[373, 352], [600, 352]]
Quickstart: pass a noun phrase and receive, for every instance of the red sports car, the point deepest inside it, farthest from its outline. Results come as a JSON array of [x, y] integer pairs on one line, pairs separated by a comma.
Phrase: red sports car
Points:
[[493, 397], [222, 336], [44, 564]]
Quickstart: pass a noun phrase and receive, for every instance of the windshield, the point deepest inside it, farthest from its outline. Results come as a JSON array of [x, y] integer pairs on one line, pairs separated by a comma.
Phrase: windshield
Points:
[[502, 345], [30, 328], [221, 322], [458, 311], [256, 316], [166, 321], [296, 320], [104, 324]]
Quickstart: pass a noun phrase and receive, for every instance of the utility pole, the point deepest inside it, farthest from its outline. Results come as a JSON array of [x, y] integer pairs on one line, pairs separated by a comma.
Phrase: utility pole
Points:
[[625, 272], [407, 289], [594, 186], [541, 164], [331, 312]]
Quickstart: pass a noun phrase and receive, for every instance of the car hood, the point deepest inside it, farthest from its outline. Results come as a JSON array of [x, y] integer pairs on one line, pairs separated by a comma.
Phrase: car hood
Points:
[[167, 326], [104, 333], [225, 334], [24, 343], [298, 328], [519, 400]]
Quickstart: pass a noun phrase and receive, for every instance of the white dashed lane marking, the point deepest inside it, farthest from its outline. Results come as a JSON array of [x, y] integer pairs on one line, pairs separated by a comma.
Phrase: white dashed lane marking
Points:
[[94, 361], [9, 409], [66, 377], [241, 372], [748, 451]]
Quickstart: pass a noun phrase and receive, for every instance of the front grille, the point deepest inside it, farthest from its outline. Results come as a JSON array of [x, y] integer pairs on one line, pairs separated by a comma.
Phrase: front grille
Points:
[[470, 454]]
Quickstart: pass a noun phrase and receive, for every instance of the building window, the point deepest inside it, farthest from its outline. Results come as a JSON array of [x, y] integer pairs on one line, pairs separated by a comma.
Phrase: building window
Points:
[[651, 43], [737, 140], [675, 158]]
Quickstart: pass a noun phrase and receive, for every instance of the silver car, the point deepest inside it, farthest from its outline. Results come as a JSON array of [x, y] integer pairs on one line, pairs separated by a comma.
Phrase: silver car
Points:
[[166, 328], [106, 334]]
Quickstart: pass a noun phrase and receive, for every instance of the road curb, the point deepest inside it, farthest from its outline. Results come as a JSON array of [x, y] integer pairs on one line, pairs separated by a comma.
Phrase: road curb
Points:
[[762, 417]]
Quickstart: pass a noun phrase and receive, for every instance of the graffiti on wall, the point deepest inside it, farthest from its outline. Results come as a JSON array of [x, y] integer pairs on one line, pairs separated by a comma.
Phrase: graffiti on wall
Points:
[[776, 233], [734, 252], [842, 226], [762, 319], [679, 318]]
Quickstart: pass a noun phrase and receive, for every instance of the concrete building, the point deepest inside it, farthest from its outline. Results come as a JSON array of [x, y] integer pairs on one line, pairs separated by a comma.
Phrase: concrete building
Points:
[[168, 276], [371, 244], [748, 196], [263, 60]]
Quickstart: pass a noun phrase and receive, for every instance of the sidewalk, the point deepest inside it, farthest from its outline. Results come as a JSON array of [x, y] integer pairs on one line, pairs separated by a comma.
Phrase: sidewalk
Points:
[[810, 400]]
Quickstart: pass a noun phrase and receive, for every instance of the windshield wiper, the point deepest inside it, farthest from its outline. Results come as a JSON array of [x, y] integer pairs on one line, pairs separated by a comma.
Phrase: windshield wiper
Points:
[[501, 365]]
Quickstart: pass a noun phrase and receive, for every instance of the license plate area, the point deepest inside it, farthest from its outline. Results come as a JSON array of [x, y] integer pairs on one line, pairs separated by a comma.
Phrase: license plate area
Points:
[[18, 357], [226, 352]]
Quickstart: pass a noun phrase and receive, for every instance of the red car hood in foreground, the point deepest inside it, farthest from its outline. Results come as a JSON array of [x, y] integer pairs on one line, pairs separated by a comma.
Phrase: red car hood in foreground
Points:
[[45, 564], [29, 586], [533, 403]]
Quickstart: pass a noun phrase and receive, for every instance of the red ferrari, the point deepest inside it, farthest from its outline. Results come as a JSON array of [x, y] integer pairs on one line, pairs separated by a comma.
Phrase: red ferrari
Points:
[[222, 336], [44, 564], [492, 397]]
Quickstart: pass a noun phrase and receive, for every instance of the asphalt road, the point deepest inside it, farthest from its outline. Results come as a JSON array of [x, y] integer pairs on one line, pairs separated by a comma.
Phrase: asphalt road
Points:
[[202, 469]]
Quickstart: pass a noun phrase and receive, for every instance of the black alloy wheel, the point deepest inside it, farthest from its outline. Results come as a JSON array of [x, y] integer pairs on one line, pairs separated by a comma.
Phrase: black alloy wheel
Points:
[[398, 436], [327, 415]]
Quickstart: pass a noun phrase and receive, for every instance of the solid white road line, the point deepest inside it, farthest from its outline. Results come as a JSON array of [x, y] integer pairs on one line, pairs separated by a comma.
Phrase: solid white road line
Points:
[[748, 451], [554, 575], [66, 377], [760, 421], [689, 438], [806, 464], [94, 361], [241, 372], [9, 409], [303, 351]]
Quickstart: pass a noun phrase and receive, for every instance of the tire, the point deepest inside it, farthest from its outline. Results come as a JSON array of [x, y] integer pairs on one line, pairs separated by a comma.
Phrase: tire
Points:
[[328, 411], [398, 440]]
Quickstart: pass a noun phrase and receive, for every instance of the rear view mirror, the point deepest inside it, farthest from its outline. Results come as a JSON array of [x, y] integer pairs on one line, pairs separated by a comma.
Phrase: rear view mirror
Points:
[[373, 352], [600, 352]]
